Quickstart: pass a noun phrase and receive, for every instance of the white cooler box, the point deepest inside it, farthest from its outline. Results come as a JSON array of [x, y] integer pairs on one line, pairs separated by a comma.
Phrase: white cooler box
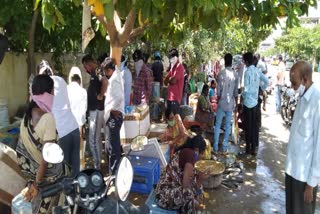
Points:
[[11, 178], [135, 124]]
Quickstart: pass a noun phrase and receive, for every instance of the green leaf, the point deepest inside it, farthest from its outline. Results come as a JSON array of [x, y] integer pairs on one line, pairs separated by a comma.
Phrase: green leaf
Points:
[[108, 11], [77, 3], [158, 3], [47, 21], [59, 16], [36, 4], [106, 1]]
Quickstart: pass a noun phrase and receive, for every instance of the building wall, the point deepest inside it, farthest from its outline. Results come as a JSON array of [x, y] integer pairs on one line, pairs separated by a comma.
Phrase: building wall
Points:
[[14, 80]]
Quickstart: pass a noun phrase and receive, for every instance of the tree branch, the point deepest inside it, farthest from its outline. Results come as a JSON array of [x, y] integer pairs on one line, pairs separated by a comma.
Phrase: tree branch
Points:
[[130, 20], [117, 21], [128, 26], [134, 33]]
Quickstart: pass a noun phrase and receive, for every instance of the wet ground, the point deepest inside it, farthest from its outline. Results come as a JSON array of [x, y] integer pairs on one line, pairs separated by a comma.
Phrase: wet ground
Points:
[[263, 188]]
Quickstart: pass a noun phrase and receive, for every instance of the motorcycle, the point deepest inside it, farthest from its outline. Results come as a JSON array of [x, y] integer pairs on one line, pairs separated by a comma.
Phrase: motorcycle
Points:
[[88, 189], [289, 101]]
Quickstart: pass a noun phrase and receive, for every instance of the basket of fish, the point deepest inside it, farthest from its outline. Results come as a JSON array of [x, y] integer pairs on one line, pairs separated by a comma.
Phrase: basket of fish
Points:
[[215, 170]]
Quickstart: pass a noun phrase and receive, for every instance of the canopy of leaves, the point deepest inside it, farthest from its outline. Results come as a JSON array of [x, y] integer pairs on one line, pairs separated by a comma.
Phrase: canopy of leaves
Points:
[[301, 42], [202, 45], [16, 16]]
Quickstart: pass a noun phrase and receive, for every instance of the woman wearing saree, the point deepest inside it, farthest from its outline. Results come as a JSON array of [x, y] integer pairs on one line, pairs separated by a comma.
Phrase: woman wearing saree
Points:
[[204, 114], [175, 134], [37, 128], [180, 185]]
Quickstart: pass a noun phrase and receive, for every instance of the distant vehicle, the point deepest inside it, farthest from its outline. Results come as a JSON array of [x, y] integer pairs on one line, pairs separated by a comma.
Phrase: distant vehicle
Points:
[[289, 64]]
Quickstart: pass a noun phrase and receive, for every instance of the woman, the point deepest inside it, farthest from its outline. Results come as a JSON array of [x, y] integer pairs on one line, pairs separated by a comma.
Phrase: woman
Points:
[[180, 187], [175, 134], [212, 95], [204, 114], [38, 127], [114, 111]]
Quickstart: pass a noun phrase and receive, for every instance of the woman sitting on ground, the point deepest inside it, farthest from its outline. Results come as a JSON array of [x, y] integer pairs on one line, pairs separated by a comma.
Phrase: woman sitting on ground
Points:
[[37, 128], [180, 186], [204, 114], [175, 134]]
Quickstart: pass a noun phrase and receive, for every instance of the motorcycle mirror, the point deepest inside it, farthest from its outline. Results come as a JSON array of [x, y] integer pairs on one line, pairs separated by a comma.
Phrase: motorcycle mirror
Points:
[[52, 153], [124, 178], [138, 143]]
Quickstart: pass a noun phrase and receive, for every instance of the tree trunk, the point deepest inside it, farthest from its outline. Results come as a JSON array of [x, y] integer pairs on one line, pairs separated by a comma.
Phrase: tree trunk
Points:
[[30, 58], [116, 52]]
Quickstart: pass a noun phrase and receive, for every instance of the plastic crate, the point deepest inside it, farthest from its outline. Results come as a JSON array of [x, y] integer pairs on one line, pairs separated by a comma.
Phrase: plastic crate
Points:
[[146, 173]]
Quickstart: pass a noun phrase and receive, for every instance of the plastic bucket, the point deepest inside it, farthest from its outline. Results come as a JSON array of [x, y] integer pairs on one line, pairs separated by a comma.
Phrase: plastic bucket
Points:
[[156, 90], [199, 87], [4, 115], [154, 111]]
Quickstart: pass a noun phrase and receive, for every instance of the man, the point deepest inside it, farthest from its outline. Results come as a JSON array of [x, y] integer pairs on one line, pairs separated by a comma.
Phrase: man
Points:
[[96, 90], [260, 64], [280, 83], [114, 112], [227, 92], [262, 87], [157, 68], [239, 68], [126, 79], [175, 81], [78, 103], [250, 93], [303, 157], [67, 126], [143, 80]]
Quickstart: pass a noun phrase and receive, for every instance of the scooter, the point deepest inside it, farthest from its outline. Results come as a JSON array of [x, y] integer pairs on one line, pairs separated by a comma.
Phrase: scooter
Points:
[[88, 189]]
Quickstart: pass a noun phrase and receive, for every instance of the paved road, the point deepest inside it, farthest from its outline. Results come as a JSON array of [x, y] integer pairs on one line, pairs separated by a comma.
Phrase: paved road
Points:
[[263, 189]]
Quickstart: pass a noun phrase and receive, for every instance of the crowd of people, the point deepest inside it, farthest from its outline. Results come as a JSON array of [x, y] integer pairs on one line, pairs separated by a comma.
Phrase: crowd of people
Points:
[[57, 113]]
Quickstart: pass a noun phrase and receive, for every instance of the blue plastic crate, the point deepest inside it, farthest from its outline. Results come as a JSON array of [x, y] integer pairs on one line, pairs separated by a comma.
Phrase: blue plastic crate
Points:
[[146, 173]]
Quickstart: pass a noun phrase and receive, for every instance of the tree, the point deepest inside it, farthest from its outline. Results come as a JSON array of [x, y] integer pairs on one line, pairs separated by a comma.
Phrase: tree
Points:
[[301, 43], [124, 20], [28, 33]]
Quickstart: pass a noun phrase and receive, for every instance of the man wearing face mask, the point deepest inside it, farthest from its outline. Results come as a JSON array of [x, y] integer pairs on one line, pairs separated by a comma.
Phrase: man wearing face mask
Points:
[[114, 112], [174, 80], [143, 80], [303, 156], [96, 96]]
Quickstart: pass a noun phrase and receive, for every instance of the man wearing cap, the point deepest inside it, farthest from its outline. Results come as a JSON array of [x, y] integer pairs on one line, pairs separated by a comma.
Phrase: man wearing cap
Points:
[[143, 80], [174, 80]]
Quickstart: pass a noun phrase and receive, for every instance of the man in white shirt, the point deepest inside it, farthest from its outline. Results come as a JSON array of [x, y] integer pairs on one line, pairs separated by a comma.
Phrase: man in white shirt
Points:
[[67, 126], [280, 83], [78, 103], [303, 157], [127, 79], [114, 111]]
